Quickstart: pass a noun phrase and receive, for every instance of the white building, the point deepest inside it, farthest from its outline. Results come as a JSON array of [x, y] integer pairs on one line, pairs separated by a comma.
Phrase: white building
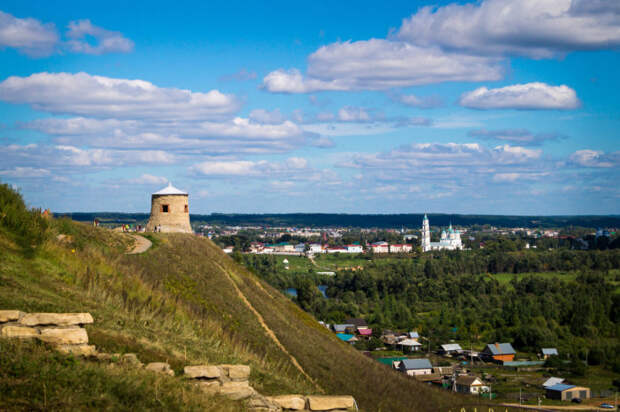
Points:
[[316, 248], [450, 240], [355, 249]]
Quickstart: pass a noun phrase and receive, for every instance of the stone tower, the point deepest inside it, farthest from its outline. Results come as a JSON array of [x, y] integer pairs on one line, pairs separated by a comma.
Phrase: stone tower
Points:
[[169, 211], [426, 235]]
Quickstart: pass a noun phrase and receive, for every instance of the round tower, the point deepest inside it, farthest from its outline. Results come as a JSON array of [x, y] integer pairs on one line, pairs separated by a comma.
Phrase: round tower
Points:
[[169, 211]]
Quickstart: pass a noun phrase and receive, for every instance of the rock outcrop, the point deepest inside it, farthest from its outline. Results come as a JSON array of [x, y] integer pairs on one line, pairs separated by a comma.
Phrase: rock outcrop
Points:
[[62, 330], [65, 332]]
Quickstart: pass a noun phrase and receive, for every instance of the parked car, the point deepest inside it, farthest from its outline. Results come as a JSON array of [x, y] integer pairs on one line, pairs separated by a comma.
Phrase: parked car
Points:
[[576, 400], [606, 406]]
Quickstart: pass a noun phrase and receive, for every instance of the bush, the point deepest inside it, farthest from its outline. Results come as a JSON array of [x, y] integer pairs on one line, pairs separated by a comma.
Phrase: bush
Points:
[[27, 226]]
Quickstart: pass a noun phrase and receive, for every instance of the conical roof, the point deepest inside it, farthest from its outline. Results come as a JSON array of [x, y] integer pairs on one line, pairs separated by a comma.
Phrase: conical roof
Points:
[[170, 190]]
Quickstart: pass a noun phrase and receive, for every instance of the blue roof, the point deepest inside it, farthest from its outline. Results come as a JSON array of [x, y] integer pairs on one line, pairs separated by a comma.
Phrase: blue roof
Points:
[[414, 335], [409, 364], [560, 387], [344, 336], [501, 349], [549, 351]]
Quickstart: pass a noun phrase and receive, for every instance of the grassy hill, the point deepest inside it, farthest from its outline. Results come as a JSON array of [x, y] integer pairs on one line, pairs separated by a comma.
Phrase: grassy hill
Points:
[[183, 301]]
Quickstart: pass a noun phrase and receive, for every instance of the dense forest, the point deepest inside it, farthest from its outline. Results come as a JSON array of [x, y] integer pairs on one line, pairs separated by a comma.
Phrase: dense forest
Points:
[[356, 220], [452, 295]]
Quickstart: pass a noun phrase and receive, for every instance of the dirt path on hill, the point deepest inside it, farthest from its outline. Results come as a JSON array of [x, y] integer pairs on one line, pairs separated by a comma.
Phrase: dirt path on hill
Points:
[[141, 245], [270, 332]]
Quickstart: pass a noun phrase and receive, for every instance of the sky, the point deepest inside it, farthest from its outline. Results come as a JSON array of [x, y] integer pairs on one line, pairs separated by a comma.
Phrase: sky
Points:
[[486, 107]]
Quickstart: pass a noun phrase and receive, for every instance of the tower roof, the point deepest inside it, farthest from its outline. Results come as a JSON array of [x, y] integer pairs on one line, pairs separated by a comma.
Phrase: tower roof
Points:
[[170, 190]]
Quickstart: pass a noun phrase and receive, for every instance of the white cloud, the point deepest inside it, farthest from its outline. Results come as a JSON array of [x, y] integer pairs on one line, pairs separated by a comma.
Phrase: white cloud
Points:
[[266, 116], [411, 100], [595, 158], [353, 114], [534, 28], [237, 135], [27, 35], [104, 97], [518, 136], [260, 168], [517, 177], [25, 172], [107, 41], [379, 64], [534, 96], [147, 179]]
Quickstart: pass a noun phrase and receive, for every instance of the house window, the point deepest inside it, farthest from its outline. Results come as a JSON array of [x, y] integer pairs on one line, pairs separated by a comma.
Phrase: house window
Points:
[[186, 209], [165, 208], [583, 394]]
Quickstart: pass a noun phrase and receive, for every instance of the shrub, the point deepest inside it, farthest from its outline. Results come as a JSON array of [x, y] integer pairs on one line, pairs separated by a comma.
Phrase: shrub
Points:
[[27, 226]]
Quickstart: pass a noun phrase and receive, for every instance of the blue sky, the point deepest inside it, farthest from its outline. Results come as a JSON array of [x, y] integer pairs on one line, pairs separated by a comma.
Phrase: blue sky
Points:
[[495, 106]]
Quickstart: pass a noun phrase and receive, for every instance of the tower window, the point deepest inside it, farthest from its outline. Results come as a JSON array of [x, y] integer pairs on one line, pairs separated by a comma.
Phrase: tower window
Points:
[[165, 208], [186, 209]]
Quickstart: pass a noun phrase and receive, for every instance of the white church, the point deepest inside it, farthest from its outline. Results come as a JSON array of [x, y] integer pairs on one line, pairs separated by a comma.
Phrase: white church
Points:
[[450, 240]]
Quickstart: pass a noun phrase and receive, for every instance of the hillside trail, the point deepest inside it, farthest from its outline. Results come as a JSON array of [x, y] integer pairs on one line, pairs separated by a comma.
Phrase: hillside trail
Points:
[[141, 245], [270, 332]]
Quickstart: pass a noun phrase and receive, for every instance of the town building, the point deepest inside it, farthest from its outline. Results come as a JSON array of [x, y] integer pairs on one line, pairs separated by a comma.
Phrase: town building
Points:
[[547, 352], [169, 211], [470, 385], [413, 367], [403, 248], [498, 352], [380, 247], [450, 240], [450, 349], [563, 392]]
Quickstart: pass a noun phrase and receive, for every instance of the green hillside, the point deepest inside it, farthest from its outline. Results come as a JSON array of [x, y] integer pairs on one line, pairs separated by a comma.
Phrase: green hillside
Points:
[[183, 301]]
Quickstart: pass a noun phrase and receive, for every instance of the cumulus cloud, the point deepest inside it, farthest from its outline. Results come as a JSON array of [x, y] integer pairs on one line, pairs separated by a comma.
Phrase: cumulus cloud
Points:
[[147, 179], [261, 168], [238, 135], [106, 41], [449, 163], [595, 158], [266, 116], [533, 28], [29, 36], [411, 100], [353, 114], [528, 96], [379, 64], [104, 97], [71, 158], [25, 172], [517, 136]]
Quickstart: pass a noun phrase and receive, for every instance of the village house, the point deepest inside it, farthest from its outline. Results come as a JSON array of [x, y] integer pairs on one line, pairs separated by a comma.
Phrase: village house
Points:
[[470, 385], [316, 248], [347, 337], [336, 249], [357, 322], [228, 249], [547, 352], [450, 349], [563, 392], [498, 352], [414, 367], [380, 247], [413, 335], [354, 249], [343, 327], [404, 248], [552, 381], [409, 345]]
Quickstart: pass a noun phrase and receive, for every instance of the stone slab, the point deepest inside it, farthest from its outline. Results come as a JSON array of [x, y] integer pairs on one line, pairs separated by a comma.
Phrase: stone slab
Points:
[[10, 315], [261, 403], [59, 319], [238, 372], [202, 371], [160, 367], [20, 332], [210, 386], [294, 402], [237, 390], [78, 350], [64, 336], [326, 403]]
